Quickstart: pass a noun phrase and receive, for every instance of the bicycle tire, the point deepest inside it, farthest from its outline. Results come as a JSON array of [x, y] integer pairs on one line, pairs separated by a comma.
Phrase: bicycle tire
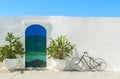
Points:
[[75, 64], [102, 65]]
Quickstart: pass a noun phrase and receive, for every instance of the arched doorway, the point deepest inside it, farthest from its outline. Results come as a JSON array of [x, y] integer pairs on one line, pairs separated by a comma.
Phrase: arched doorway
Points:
[[35, 46]]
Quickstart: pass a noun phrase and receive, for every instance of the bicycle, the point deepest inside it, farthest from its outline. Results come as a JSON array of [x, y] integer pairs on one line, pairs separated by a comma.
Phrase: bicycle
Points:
[[79, 64]]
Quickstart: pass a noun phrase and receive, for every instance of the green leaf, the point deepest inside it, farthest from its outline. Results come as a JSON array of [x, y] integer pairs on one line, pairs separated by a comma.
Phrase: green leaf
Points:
[[13, 48], [60, 48]]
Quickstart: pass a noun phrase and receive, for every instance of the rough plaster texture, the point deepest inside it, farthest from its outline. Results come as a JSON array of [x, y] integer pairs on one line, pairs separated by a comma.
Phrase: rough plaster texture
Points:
[[100, 36]]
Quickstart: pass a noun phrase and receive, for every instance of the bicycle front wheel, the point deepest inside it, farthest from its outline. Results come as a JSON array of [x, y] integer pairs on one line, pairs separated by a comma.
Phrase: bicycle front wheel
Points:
[[75, 64], [99, 64]]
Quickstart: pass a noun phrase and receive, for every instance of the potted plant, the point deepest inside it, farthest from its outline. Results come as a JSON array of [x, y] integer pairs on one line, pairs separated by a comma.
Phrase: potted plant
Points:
[[59, 49], [9, 52]]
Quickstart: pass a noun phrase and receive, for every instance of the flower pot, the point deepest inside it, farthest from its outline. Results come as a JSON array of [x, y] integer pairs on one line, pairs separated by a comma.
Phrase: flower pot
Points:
[[11, 64], [56, 64], [60, 64]]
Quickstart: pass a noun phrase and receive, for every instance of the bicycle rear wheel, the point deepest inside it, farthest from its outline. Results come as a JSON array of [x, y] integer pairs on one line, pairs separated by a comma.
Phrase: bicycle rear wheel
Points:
[[99, 64], [76, 65]]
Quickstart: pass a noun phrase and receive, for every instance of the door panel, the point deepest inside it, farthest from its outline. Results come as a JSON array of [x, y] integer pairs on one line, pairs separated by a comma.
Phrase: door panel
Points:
[[35, 45]]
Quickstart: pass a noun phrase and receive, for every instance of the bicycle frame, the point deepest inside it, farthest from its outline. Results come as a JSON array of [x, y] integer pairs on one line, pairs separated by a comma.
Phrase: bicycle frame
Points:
[[87, 62], [91, 60]]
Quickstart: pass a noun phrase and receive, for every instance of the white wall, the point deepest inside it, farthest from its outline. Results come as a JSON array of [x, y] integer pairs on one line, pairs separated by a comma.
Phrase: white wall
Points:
[[100, 36]]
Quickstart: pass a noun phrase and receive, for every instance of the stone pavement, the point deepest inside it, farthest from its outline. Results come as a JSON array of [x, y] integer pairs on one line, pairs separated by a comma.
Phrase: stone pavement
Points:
[[50, 74]]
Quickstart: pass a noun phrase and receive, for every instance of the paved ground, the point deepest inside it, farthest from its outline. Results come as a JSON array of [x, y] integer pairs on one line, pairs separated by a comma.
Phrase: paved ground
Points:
[[50, 74]]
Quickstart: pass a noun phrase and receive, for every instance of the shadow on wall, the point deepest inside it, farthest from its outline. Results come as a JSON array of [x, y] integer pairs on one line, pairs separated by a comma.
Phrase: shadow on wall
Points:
[[75, 53], [49, 30]]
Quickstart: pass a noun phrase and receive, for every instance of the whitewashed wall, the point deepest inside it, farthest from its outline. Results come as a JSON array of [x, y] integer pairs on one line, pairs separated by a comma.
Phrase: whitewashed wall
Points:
[[100, 36]]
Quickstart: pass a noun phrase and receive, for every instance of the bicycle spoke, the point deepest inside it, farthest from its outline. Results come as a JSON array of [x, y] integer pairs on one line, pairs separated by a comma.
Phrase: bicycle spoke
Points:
[[75, 64], [99, 64]]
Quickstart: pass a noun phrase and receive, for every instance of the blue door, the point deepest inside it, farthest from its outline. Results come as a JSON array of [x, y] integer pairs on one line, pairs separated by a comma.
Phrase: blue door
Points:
[[35, 46]]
